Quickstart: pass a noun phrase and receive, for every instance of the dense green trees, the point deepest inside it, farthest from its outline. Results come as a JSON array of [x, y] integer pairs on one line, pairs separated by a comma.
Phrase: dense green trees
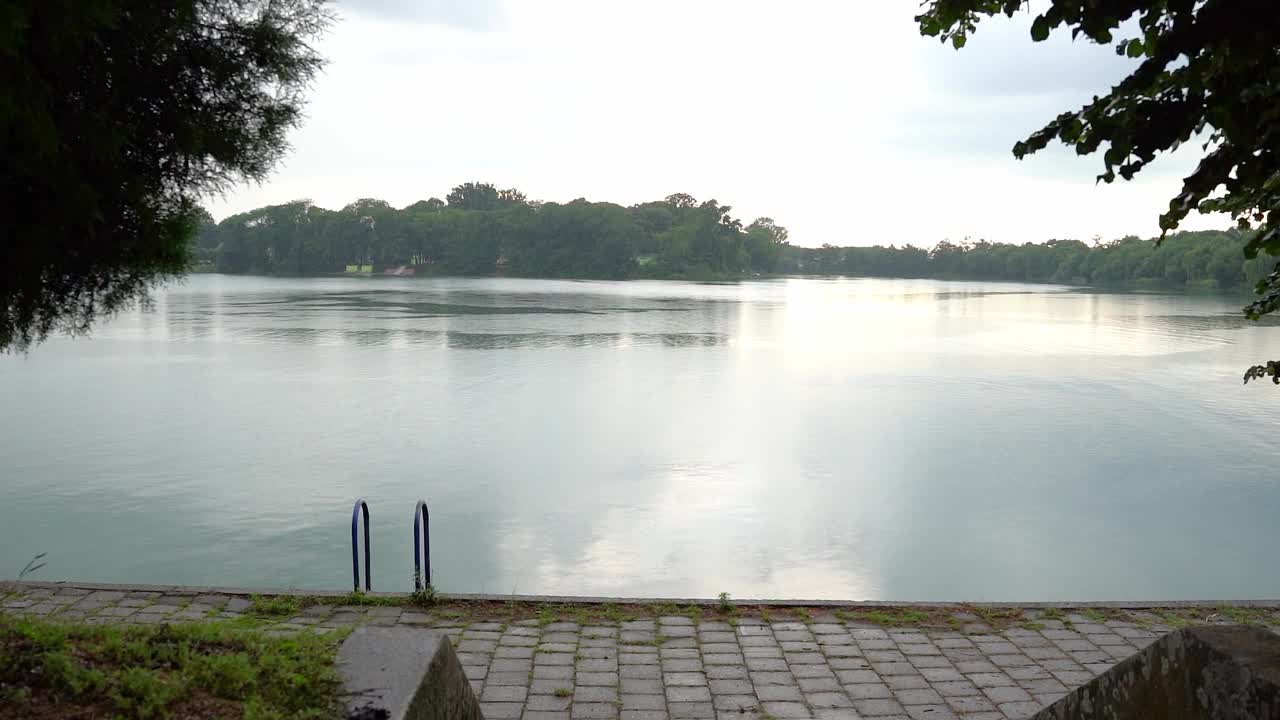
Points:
[[116, 117], [1204, 259], [481, 230]]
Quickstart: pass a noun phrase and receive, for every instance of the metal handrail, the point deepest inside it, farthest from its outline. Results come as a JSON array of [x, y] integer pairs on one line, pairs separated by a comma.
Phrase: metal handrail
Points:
[[421, 545], [355, 556]]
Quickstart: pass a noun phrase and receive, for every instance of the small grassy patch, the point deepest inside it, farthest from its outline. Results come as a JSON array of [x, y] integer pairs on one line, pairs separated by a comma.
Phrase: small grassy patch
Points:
[[1244, 615], [1053, 614], [725, 605], [890, 616], [563, 692], [1094, 615], [274, 605], [51, 669]]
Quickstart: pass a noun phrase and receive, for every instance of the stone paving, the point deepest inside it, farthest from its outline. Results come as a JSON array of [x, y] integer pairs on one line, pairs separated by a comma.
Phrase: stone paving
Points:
[[773, 665]]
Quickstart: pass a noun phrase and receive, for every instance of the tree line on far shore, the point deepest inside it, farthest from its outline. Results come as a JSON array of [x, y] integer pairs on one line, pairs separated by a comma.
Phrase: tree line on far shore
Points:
[[479, 229]]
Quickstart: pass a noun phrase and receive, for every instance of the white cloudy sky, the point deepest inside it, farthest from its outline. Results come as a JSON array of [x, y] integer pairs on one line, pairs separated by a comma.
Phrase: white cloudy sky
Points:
[[834, 117]]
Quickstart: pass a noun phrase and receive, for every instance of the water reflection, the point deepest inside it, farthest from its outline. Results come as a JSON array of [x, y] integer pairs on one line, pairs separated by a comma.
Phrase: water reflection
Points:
[[857, 438]]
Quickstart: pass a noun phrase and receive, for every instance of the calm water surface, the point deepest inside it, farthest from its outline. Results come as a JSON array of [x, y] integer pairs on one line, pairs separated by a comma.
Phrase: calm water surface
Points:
[[845, 438]]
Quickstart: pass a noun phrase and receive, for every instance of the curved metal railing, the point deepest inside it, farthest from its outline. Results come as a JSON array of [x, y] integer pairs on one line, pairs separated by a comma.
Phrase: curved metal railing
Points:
[[355, 555], [421, 546]]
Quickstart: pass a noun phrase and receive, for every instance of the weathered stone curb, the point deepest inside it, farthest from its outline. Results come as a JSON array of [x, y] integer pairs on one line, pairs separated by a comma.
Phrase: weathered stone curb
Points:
[[600, 600], [1202, 673], [404, 674]]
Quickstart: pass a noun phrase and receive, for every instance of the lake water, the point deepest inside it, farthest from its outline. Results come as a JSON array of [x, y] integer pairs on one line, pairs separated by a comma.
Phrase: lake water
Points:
[[793, 438]]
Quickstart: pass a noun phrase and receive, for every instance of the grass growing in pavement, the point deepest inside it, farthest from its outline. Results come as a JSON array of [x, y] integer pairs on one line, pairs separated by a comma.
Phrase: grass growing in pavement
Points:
[[275, 606], [50, 669], [884, 616]]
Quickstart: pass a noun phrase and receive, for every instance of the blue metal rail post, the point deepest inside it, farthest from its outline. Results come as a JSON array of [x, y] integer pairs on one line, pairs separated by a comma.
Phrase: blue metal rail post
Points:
[[421, 546], [355, 556]]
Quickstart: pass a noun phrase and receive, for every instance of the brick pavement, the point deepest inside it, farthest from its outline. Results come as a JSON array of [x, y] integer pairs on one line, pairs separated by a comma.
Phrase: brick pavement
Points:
[[772, 665]]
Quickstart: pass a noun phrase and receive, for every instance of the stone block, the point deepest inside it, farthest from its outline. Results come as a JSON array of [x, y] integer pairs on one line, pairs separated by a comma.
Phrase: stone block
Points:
[[1223, 672], [406, 673]]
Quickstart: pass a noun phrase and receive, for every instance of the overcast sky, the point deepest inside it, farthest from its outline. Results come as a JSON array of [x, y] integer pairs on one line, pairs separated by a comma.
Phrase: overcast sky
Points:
[[835, 118]]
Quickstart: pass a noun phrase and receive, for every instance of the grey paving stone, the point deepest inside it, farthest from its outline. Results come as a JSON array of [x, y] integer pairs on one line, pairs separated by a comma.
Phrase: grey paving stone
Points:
[[1007, 661], [818, 684], [999, 695], [905, 682], [773, 677], [956, 688], [501, 711], [878, 706], [987, 680], [857, 676], [812, 671], [691, 710], [638, 701], [641, 686], [772, 693], [597, 665], [517, 641], [552, 659], [688, 694], [506, 678], [681, 665], [930, 712], [511, 665], [727, 672], [735, 703], [595, 693], [504, 693], [1019, 710], [650, 672], [669, 653], [723, 659], [894, 668], [918, 696], [544, 715], [836, 714], [546, 686], [868, 691], [884, 656], [1035, 672], [828, 700], [941, 674], [597, 678], [970, 704], [683, 679], [644, 715], [785, 709], [766, 664], [513, 653], [590, 711]]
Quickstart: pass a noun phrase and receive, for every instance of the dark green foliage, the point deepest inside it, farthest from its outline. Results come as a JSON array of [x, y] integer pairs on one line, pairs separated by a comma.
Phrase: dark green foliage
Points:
[[116, 116], [1201, 259], [482, 228], [1209, 72], [144, 672]]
